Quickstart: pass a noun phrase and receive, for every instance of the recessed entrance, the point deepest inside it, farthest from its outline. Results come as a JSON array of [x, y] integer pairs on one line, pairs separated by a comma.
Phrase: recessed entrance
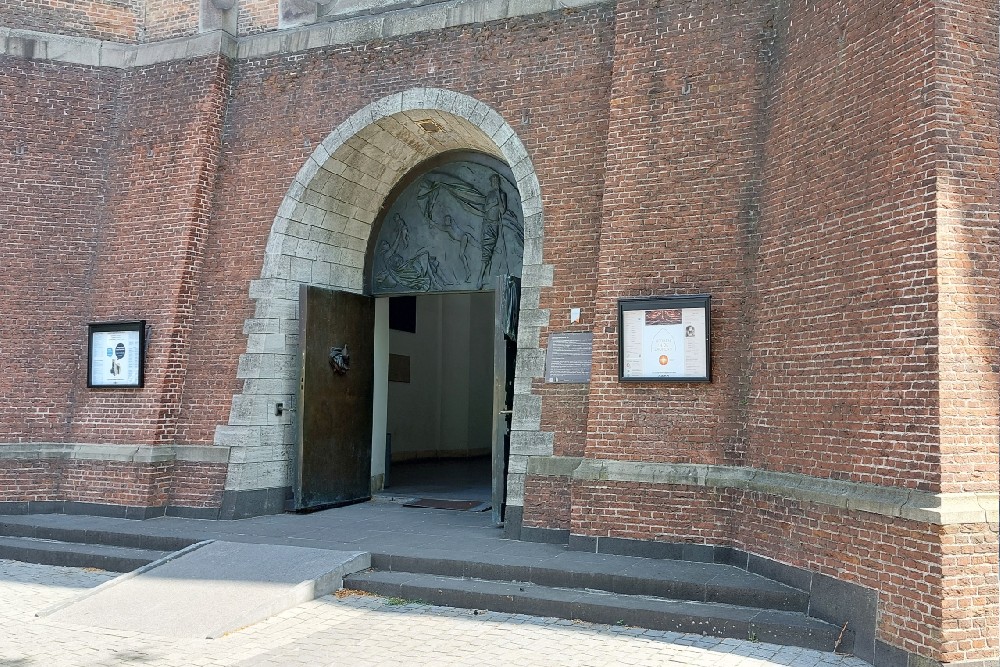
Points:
[[436, 341], [324, 261], [439, 402]]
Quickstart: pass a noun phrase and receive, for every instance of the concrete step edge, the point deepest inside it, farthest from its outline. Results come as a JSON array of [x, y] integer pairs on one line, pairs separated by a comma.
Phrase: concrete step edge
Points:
[[75, 554], [754, 591], [91, 536], [651, 612]]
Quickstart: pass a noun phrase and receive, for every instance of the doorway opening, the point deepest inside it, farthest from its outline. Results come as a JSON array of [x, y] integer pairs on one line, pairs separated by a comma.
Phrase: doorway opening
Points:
[[440, 309], [447, 404]]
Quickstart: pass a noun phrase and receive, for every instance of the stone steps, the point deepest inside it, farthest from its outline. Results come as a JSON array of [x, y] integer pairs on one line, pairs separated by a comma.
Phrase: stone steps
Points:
[[680, 596], [644, 611], [76, 554], [81, 547], [673, 579]]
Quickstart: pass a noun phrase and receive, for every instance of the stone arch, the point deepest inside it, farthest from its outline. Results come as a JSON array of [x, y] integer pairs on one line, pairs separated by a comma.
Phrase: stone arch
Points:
[[320, 236]]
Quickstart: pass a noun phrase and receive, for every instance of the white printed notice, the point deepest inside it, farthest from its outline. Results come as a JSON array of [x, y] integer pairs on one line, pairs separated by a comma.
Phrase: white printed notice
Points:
[[114, 358], [664, 343]]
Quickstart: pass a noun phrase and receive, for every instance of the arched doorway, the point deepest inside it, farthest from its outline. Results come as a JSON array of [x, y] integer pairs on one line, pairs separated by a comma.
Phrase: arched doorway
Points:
[[446, 253], [320, 238], [446, 250]]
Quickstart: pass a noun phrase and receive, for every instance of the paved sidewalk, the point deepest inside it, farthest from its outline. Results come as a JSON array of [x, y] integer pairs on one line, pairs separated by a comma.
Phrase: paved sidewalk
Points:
[[348, 630]]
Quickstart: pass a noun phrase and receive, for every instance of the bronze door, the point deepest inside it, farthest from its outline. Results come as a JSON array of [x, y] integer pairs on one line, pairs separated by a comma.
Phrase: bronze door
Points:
[[334, 448], [506, 306]]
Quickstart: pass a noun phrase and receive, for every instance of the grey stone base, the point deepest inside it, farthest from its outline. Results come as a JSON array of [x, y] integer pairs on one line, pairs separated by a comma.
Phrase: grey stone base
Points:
[[512, 519], [254, 502], [89, 509], [102, 509]]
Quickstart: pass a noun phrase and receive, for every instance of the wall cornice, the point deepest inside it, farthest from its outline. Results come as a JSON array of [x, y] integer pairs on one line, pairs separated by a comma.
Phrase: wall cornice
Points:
[[393, 21]]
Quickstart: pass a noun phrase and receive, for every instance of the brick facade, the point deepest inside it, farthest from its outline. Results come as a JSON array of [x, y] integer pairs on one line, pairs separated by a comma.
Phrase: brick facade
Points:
[[828, 171]]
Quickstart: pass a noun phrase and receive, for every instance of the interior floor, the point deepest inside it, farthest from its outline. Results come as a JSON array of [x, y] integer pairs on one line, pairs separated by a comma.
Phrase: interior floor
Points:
[[452, 479]]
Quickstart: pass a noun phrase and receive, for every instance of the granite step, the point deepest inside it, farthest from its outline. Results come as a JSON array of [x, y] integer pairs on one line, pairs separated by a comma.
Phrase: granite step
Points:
[[77, 554], [45, 528], [644, 611], [677, 580]]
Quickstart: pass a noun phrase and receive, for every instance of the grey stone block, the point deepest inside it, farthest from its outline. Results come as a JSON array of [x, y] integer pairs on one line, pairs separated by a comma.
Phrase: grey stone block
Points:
[[736, 590], [252, 502], [513, 518], [638, 548], [698, 553], [530, 443], [585, 543], [530, 317], [544, 535], [837, 601], [786, 574], [889, 656], [411, 21]]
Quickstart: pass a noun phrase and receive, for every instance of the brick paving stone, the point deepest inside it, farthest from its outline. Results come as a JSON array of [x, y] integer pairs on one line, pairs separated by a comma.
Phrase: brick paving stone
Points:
[[351, 629]]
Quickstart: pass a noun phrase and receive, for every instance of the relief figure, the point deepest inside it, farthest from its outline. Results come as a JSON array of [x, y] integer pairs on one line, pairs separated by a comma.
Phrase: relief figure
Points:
[[418, 272]]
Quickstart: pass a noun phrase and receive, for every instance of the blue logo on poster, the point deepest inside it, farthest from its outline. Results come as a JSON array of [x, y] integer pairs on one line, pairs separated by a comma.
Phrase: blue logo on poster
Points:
[[110, 351]]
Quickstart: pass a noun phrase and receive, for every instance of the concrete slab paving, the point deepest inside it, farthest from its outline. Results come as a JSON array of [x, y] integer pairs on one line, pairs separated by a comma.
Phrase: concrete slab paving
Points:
[[214, 589]]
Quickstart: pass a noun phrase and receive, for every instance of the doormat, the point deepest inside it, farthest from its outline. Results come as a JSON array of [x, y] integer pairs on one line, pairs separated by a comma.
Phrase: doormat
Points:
[[441, 504]]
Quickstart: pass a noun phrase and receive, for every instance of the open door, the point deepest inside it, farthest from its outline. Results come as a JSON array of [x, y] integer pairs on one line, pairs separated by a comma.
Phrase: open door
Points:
[[507, 299], [336, 342]]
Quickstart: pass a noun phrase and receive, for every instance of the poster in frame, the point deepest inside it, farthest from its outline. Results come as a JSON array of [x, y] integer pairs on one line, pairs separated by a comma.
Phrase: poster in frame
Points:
[[665, 339], [116, 354]]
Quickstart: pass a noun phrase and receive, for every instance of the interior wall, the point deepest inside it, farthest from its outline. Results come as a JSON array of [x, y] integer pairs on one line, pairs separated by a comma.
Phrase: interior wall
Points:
[[380, 392], [444, 409]]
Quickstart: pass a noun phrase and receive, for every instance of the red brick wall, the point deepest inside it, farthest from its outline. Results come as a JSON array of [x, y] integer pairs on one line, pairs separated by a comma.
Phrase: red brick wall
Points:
[[844, 351], [967, 97], [101, 19], [828, 172], [164, 19], [282, 107], [197, 484], [643, 511], [108, 207], [114, 20], [150, 247], [179, 484], [29, 479], [257, 16], [550, 502], [52, 191], [971, 609], [683, 156], [564, 409]]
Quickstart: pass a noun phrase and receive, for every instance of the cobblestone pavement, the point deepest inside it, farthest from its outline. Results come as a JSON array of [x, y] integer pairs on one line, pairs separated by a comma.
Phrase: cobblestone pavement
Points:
[[352, 629]]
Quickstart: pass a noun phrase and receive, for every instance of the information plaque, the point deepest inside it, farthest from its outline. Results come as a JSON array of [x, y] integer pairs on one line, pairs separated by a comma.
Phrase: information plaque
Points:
[[116, 354], [664, 339], [568, 358]]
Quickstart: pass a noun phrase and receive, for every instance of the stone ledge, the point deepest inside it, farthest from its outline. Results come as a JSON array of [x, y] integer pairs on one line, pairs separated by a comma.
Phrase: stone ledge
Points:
[[50, 47], [115, 453], [921, 506], [370, 21]]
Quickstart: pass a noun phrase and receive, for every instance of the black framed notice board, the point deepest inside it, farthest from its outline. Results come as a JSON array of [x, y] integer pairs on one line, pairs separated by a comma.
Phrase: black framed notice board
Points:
[[665, 339], [116, 354]]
